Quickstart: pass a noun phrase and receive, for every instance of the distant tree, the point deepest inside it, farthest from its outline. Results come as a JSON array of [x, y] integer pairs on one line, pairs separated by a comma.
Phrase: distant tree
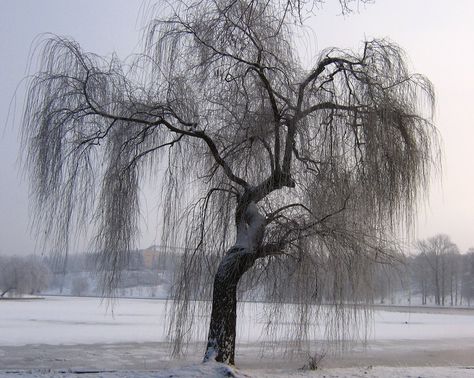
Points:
[[454, 273], [467, 280], [390, 279], [8, 279], [268, 165], [421, 273], [439, 254], [40, 275], [22, 275], [79, 285]]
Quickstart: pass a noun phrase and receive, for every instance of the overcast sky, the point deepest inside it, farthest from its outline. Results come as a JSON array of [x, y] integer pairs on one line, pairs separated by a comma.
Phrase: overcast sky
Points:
[[437, 35]]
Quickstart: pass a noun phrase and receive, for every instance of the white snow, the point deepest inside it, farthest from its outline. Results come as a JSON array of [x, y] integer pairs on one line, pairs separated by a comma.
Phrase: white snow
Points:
[[215, 370], [80, 320], [208, 370], [250, 229], [396, 339], [74, 320], [422, 326]]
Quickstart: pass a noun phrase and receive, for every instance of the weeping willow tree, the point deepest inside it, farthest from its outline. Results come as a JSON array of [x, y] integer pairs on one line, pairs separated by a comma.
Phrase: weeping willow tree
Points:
[[272, 170]]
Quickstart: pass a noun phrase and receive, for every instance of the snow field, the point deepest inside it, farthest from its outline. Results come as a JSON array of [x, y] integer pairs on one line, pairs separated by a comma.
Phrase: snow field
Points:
[[73, 320], [130, 336]]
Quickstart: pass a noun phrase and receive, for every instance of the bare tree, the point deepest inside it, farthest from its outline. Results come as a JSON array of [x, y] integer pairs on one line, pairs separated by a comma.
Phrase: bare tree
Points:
[[421, 273], [467, 280], [439, 253], [22, 275], [390, 279], [268, 165], [79, 285], [454, 273], [8, 276]]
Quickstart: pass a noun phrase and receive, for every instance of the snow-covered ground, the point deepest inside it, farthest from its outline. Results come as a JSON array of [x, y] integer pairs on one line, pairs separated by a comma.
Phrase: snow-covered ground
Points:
[[63, 335]]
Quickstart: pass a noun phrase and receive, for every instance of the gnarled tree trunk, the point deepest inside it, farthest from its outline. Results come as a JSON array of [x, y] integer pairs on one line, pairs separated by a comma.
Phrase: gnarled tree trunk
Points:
[[222, 329], [240, 258]]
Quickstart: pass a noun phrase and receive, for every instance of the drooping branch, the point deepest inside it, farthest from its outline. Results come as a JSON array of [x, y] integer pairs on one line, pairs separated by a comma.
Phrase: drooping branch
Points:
[[274, 214], [220, 100], [314, 75]]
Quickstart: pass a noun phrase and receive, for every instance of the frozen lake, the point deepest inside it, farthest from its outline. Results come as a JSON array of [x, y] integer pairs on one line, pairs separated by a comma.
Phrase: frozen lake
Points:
[[84, 333], [72, 320]]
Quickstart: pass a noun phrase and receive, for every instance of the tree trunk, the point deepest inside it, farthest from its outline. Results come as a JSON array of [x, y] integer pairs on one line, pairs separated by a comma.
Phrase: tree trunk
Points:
[[424, 293], [456, 290], [451, 291], [222, 329], [438, 290], [221, 339]]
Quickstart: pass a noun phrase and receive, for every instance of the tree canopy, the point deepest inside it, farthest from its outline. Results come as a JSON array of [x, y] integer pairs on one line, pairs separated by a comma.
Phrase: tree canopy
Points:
[[268, 165]]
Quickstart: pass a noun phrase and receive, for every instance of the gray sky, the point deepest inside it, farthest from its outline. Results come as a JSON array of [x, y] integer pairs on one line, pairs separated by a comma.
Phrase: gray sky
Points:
[[437, 35]]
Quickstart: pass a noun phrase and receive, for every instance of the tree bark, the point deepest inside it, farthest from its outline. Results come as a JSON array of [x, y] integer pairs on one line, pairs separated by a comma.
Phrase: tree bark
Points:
[[222, 328]]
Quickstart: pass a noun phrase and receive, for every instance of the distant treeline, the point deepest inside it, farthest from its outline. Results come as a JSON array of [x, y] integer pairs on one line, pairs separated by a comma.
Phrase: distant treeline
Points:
[[23, 275], [435, 274]]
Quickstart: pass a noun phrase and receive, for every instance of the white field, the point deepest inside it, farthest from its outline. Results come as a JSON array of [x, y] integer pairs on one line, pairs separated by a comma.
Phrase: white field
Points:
[[66, 334]]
